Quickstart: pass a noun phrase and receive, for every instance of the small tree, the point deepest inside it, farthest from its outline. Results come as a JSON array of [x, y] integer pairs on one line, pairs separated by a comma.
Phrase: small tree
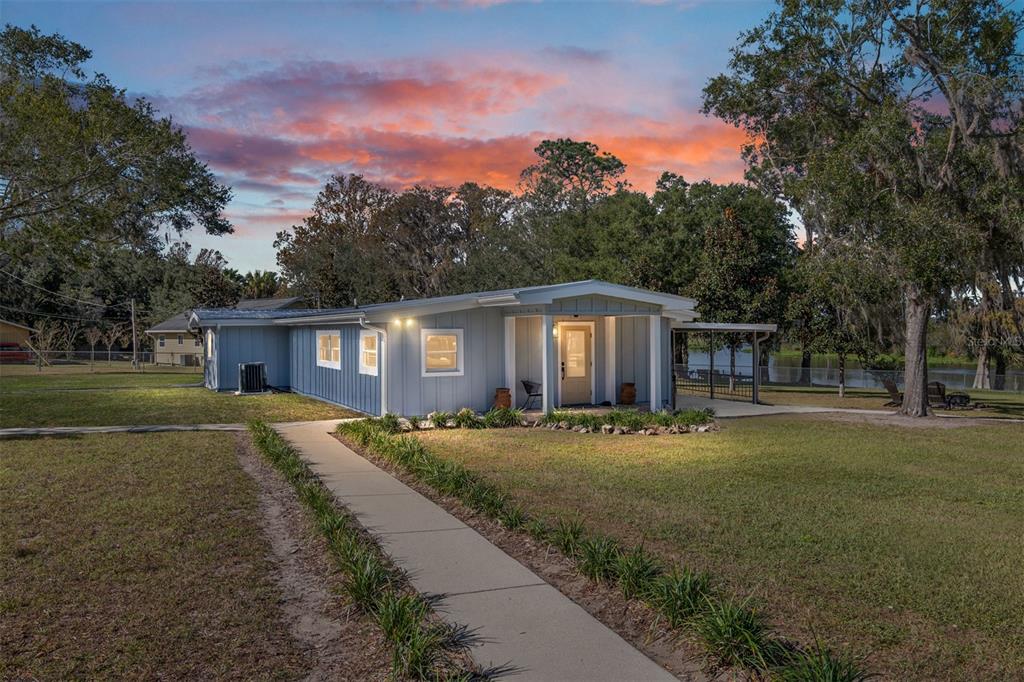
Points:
[[93, 335], [111, 336], [46, 336]]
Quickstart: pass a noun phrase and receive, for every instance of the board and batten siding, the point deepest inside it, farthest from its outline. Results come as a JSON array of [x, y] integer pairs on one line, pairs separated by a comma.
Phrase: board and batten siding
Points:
[[410, 393], [345, 386], [600, 305], [235, 345]]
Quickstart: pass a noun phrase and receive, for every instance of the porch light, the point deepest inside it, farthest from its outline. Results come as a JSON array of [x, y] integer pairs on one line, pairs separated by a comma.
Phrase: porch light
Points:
[[398, 321], [554, 331], [408, 322]]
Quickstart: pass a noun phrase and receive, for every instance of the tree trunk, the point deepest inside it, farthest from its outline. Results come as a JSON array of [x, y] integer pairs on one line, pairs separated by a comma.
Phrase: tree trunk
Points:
[[1001, 366], [981, 379], [805, 368], [917, 309], [842, 375]]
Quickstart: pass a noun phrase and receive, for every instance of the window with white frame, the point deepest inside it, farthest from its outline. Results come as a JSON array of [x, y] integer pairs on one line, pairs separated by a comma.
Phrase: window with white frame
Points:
[[162, 340], [368, 352], [443, 352], [328, 349]]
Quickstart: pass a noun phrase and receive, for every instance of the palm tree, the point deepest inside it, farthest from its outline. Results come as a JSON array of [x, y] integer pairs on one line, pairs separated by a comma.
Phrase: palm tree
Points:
[[260, 284]]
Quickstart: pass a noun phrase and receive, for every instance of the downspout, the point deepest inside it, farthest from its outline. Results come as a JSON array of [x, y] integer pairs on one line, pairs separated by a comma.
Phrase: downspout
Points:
[[382, 360]]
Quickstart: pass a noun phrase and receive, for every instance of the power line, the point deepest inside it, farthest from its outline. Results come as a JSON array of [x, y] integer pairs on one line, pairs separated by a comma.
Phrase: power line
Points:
[[56, 293], [59, 317]]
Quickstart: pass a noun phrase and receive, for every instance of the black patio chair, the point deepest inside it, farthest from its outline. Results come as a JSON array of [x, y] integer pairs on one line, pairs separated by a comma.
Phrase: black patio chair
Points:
[[533, 390]]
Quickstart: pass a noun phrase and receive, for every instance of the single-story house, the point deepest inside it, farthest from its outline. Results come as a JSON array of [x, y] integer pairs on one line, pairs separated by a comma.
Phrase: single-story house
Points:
[[579, 341], [12, 332], [175, 344]]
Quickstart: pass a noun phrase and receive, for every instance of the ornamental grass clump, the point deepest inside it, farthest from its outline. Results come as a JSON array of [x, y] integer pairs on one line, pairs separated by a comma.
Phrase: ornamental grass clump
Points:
[[597, 558], [566, 536], [679, 596], [635, 571], [466, 418], [734, 634], [503, 417], [819, 664]]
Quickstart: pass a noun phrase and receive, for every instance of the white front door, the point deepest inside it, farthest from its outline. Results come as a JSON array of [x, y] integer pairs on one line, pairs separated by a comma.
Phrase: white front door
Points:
[[576, 364]]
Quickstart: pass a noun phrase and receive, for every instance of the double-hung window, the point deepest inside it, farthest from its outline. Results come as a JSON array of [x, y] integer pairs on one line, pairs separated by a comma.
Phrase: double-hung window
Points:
[[328, 349], [368, 352], [443, 352], [181, 339], [162, 340]]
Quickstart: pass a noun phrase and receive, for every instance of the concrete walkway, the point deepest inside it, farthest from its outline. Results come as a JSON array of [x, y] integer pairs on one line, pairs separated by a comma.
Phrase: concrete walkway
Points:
[[735, 408], [522, 621], [138, 428]]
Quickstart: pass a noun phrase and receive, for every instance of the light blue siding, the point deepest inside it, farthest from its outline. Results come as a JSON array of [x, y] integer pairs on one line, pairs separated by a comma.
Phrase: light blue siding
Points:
[[410, 393], [235, 345], [634, 350], [599, 305], [345, 386]]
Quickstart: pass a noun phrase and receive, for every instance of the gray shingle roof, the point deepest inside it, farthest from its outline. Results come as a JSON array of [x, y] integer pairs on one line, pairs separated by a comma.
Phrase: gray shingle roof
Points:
[[178, 323], [267, 303]]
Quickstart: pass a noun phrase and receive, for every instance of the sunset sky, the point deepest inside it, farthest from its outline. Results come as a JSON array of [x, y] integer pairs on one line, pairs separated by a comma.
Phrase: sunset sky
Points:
[[276, 96]]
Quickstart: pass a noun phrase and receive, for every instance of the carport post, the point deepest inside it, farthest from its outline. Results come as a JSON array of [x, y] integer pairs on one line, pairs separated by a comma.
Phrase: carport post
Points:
[[757, 366], [711, 366]]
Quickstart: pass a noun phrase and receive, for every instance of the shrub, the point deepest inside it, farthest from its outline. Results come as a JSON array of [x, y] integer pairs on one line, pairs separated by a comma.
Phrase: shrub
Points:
[[693, 416], [735, 634], [415, 421], [389, 423], [466, 418], [635, 570], [679, 595], [503, 417], [566, 535], [441, 419], [597, 557], [626, 418]]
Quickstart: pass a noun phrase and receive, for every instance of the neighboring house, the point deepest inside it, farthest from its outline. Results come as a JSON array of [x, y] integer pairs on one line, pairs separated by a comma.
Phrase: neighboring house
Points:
[[580, 341], [174, 344], [12, 332]]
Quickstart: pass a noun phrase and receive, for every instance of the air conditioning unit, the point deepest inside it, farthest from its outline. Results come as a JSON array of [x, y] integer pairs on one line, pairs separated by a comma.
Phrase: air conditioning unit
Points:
[[252, 377]]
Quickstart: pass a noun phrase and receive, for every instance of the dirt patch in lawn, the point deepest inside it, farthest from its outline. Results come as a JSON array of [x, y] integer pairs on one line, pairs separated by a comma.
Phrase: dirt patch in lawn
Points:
[[343, 644], [634, 621]]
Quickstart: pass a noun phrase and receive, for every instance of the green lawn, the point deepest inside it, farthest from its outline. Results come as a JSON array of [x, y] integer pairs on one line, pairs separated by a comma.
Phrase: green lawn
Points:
[[903, 543], [44, 381], [136, 556], [155, 406], [1000, 404]]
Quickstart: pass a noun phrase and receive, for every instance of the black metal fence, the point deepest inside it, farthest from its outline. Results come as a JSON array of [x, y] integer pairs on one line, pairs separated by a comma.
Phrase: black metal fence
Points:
[[703, 379]]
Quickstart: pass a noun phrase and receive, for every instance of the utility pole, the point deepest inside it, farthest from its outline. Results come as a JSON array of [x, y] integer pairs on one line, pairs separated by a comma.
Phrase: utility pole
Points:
[[135, 340]]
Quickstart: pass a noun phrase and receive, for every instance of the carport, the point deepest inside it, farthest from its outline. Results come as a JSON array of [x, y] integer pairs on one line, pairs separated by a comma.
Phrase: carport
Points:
[[707, 380]]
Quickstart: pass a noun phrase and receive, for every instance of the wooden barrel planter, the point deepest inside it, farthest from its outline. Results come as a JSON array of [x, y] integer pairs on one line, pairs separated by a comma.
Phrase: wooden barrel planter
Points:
[[627, 394], [502, 398]]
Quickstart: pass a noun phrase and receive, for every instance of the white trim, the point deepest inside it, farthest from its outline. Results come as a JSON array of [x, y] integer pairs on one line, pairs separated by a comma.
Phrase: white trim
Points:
[[370, 370], [329, 364], [460, 352], [510, 356], [547, 399], [593, 356], [610, 357], [654, 403], [161, 340], [726, 327]]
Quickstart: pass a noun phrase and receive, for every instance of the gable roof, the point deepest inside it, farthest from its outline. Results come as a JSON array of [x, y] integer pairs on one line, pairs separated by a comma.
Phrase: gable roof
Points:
[[178, 323], [535, 295], [268, 303], [15, 324]]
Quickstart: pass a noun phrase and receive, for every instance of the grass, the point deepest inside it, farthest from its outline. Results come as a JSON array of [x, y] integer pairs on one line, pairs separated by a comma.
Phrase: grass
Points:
[[1000, 403], [902, 543], [10, 382], [733, 635], [155, 406], [129, 556]]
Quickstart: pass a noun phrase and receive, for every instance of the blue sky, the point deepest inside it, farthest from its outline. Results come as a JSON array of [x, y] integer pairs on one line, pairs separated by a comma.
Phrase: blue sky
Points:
[[277, 96]]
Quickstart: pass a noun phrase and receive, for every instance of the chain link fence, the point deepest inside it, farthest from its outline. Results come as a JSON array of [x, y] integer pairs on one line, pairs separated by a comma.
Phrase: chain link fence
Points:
[[25, 361]]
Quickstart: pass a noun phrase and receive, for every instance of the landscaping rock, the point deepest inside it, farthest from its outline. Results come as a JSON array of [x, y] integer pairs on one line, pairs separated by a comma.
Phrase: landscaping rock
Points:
[[607, 428], [450, 424], [563, 425], [404, 424], [425, 425]]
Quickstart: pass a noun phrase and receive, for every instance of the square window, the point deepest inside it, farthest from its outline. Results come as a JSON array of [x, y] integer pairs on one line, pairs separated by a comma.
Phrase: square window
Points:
[[368, 352], [328, 349], [443, 352]]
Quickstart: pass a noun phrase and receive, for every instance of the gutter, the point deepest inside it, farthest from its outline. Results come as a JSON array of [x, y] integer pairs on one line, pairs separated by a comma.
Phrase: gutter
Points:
[[382, 361]]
